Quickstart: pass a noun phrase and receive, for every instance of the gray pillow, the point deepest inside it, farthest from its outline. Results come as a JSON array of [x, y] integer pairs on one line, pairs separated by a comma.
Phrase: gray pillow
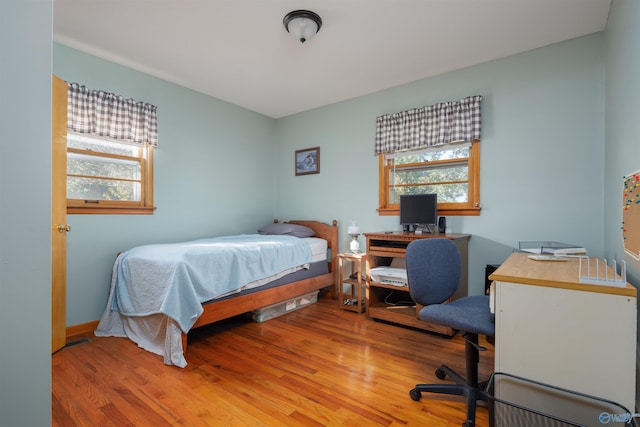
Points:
[[288, 229]]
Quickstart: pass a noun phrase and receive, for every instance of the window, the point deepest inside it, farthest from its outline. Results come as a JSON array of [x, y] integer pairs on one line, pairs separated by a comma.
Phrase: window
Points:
[[110, 143], [452, 171], [108, 176], [420, 151]]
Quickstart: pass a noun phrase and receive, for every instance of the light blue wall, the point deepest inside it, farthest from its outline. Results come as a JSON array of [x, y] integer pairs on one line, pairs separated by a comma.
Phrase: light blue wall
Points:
[[541, 161], [622, 150], [542, 171], [214, 175], [25, 213]]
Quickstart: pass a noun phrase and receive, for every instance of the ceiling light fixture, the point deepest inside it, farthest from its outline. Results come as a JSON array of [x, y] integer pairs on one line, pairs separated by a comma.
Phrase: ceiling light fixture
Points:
[[302, 24]]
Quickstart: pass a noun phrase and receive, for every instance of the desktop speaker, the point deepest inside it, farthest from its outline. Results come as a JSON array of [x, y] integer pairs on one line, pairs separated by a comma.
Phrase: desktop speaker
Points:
[[442, 224]]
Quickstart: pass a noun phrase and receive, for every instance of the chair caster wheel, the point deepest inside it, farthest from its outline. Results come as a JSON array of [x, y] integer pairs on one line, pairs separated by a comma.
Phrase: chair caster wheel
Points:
[[468, 424], [415, 395], [440, 374]]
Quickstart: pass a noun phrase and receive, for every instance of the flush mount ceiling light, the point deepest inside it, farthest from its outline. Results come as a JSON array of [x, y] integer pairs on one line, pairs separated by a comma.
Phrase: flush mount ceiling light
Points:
[[302, 24]]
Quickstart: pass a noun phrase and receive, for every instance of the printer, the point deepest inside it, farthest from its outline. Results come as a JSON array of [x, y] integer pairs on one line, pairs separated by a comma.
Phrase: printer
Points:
[[389, 276]]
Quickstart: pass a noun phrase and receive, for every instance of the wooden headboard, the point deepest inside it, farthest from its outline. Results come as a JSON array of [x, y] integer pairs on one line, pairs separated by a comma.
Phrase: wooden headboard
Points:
[[323, 231]]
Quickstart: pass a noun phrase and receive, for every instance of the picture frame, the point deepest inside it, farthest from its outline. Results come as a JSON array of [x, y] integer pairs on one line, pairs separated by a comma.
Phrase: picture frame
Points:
[[307, 161]]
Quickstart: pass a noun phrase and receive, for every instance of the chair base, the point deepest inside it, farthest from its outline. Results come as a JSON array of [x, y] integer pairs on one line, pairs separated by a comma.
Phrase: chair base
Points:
[[469, 387]]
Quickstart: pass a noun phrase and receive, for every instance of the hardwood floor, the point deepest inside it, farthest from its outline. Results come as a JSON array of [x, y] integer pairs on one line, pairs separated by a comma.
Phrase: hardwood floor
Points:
[[320, 365]]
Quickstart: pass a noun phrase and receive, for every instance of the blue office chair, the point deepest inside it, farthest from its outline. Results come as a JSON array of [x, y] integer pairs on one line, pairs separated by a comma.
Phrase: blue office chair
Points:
[[433, 272]]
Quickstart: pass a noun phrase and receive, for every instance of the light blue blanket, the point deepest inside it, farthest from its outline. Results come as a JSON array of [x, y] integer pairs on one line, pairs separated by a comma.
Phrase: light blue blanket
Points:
[[174, 279]]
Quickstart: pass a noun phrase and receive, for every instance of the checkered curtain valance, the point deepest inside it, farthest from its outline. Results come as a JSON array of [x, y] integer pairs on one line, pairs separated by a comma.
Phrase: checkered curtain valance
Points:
[[429, 126], [105, 114]]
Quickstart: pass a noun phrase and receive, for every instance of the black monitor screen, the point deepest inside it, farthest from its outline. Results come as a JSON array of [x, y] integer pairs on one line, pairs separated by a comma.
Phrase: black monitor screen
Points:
[[419, 209]]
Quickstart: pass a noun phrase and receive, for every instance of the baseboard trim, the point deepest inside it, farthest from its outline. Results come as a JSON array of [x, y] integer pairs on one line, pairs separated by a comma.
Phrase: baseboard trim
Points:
[[82, 329]]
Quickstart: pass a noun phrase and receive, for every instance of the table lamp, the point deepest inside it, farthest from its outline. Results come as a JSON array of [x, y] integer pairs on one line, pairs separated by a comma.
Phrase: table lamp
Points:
[[354, 232]]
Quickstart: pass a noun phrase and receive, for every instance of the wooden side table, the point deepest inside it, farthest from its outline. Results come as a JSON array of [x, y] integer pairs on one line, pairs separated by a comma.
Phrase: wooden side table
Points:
[[354, 279]]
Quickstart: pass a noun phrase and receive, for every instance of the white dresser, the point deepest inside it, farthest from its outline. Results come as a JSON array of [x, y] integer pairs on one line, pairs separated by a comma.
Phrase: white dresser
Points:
[[553, 329]]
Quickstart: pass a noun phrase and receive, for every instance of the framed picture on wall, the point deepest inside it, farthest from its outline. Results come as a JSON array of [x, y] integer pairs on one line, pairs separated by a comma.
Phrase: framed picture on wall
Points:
[[307, 161]]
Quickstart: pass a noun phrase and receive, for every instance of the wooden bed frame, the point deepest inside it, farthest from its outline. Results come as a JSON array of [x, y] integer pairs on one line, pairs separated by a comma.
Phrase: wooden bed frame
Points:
[[219, 310]]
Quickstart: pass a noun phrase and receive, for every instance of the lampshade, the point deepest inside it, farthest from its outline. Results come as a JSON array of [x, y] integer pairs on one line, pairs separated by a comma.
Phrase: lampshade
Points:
[[302, 24], [353, 228], [354, 232]]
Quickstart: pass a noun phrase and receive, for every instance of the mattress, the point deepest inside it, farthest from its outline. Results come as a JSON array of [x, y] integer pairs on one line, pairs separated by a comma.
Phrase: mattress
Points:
[[318, 248], [314, 269], [318, 255]]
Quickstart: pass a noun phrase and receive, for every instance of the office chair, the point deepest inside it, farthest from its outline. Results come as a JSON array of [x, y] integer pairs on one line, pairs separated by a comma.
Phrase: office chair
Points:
[[433, 273]]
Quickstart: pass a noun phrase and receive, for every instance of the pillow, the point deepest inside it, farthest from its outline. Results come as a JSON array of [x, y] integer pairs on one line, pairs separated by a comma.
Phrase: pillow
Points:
[[288, 229]]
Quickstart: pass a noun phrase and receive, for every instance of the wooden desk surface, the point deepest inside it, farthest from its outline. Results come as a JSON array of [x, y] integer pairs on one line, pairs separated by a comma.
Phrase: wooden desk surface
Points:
[[399, 235], [519, 268]]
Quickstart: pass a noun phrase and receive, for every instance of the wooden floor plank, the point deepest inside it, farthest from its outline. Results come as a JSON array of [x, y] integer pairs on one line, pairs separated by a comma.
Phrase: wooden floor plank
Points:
[[320, 365]]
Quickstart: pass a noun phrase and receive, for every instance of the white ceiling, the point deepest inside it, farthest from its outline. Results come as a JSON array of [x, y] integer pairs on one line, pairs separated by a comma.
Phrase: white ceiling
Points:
[[239, 51]]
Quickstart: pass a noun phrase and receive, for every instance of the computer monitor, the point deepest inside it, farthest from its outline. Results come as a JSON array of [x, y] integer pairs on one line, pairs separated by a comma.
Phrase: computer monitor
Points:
[[418, 212]]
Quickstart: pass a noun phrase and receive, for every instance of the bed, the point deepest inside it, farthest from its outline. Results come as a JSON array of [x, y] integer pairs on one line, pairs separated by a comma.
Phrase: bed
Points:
[[160, 292]]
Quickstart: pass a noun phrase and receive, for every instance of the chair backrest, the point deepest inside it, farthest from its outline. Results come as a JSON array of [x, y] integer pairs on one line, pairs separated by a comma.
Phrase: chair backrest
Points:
[[433, 270]]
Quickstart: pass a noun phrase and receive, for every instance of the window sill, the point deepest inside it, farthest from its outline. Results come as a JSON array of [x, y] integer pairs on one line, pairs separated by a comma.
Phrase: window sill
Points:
[[111, 210]]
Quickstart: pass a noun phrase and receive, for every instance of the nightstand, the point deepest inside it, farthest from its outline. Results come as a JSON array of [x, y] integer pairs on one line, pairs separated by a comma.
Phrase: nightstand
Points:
[[353, 278]]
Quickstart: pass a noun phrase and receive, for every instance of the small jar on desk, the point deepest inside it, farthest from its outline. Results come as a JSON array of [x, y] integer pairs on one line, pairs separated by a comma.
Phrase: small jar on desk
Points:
[[351, 281]]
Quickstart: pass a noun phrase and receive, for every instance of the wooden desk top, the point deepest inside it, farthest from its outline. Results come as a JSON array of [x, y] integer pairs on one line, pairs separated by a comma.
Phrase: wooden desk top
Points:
[[518, 268], [399, 235]]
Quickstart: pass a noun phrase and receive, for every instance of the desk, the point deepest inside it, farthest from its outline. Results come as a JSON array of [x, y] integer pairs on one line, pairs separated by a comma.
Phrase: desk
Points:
[[553, 329], [382, 249]]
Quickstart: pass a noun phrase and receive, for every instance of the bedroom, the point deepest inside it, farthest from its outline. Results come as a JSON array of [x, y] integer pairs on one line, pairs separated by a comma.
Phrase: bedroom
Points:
[[532, 101]]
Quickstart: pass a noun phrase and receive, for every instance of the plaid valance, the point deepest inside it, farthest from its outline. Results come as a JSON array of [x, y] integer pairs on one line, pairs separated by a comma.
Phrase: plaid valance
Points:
[[437, 124], [104, 114]]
